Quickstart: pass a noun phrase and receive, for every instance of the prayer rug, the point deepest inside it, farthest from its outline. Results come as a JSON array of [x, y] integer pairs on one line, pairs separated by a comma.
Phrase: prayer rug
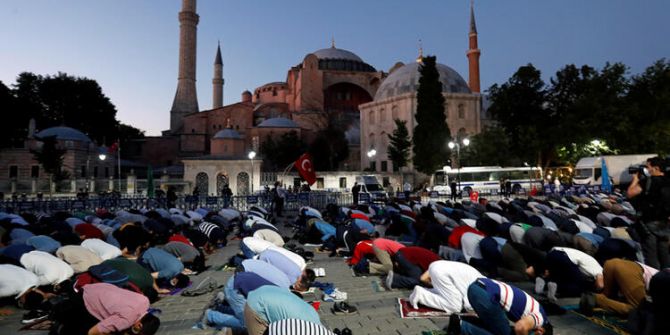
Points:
[[407, 311]]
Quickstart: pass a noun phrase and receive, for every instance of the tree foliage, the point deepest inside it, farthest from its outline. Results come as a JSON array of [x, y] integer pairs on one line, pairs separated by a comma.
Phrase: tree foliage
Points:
[[399, 145], [557, 122], [329, 149], [277, 155], [431, 132], [58, 100], [489, 148], [50, 156]]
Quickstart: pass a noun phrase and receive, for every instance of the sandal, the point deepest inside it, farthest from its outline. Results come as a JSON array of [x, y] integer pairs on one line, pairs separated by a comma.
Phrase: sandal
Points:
[[343, 308]]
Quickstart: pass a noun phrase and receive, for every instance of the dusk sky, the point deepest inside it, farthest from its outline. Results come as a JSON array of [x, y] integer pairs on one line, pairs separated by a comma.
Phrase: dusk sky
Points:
[[131, 46]]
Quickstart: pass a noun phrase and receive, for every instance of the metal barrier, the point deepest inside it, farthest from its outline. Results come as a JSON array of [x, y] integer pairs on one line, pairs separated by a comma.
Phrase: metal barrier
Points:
[[292, 201]]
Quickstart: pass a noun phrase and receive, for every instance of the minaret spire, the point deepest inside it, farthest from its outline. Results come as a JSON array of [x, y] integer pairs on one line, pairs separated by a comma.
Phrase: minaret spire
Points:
[[217, 80], [420, 58], [332, 42], [186, 98], [473, 53]]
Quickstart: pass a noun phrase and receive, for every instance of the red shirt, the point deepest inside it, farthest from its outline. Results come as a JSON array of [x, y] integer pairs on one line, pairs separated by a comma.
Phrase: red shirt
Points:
[[88, 230], [180, 238], [360, 216], [419, 256], [387, 245], [455, 236], [362, 248]]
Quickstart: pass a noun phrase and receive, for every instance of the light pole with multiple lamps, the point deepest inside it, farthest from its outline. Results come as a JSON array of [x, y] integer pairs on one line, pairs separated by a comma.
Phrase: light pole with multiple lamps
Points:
[[252, 155], [457, 145]]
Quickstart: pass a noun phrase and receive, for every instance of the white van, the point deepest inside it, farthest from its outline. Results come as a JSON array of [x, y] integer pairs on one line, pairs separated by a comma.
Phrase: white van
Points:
[[588, 171], [370, 185]]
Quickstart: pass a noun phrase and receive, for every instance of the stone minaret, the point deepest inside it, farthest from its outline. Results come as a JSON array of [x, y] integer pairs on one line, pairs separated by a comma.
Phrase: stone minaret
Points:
[[217, 81], [473, 53], [186, 99]]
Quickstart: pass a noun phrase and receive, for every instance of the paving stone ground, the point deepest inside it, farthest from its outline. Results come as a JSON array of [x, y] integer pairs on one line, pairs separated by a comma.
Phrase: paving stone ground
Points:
[[378, 311]]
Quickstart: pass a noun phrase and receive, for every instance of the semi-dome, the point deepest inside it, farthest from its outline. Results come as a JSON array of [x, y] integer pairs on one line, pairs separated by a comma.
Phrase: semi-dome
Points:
[[227, 134], [335, 53], [406, 80], [278, 122], [64, 134]]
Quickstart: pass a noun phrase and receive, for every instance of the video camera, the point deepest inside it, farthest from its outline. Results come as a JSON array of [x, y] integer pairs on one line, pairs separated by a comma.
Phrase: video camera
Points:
[[641, 170]]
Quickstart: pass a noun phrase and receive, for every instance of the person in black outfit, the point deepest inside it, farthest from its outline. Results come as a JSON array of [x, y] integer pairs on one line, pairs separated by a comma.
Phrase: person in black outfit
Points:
[[651, 196], [171, 197], [354, 191], [452, 185]]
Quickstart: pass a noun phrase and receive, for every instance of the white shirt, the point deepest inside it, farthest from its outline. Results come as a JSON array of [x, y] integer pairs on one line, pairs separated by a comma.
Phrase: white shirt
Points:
[[101, 248], [257, 245], [587, 264], [49, 269], [270, 236], [15, 280], [297, 259], [450, 286], [470, 246]]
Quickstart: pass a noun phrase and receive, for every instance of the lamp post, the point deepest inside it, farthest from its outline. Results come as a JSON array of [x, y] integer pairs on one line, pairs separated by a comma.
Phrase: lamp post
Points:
[[371, 153], [251, 156], [530, 180], [455, 144]]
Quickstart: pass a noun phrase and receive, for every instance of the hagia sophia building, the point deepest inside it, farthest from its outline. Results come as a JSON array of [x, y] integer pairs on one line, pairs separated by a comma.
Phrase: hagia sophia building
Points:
[[328, 85]]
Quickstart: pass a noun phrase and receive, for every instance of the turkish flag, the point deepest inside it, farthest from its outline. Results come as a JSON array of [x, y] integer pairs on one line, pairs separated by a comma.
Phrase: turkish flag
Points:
[[306, 168]]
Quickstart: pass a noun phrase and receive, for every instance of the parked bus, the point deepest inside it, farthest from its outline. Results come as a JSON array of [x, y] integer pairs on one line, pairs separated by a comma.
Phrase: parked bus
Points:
[[486, 179]]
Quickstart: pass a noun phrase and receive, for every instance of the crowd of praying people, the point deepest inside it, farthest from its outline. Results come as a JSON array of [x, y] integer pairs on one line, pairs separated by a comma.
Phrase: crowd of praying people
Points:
[[99, 272]]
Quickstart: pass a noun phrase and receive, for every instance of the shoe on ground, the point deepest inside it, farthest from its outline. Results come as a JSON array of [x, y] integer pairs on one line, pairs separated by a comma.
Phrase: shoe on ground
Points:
[[454, 327], [34, 316], [587, 303], [342, 308], [551, 291], [539, 285], [389, 280]]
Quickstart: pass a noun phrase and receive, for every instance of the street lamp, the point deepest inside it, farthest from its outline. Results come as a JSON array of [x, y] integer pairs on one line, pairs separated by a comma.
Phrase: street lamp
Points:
[[371, 153], [251, 156], [455, 144]]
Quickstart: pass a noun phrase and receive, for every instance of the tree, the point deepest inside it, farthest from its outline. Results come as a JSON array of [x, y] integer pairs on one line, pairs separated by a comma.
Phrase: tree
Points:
[[11, 131], [646, 106], [329, 149], [431, 133], [279, 154], [50, 156], [489, 148], [75, 102], [519, 107], [400, 145]]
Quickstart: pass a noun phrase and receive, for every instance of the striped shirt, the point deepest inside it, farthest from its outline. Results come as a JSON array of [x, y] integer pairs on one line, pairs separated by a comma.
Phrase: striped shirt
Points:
[[207, 228], [297, 327], [514, 301]]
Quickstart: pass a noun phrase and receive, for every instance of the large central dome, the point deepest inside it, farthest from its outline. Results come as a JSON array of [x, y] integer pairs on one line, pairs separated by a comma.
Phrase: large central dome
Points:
[[341, 60], [335, 53], [406, 80]]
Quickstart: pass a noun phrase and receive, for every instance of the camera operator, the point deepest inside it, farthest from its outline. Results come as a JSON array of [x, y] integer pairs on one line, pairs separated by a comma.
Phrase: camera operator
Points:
[[650, 192]]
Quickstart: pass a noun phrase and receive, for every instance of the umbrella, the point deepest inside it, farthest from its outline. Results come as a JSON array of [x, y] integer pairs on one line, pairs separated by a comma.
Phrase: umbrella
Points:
[[150, 182], [606, 185]]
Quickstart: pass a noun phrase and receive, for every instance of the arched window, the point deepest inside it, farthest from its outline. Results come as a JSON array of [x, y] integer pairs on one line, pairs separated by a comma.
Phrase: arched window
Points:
[[202, 183], [394, 112], [383, 142], [371, 140], [221, 181], [461, 111], [242, 183], [371, 117], [382, 115]]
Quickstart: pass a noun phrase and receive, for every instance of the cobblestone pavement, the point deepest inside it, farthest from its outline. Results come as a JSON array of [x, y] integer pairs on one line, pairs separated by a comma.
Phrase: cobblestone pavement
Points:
[[378, 311]]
